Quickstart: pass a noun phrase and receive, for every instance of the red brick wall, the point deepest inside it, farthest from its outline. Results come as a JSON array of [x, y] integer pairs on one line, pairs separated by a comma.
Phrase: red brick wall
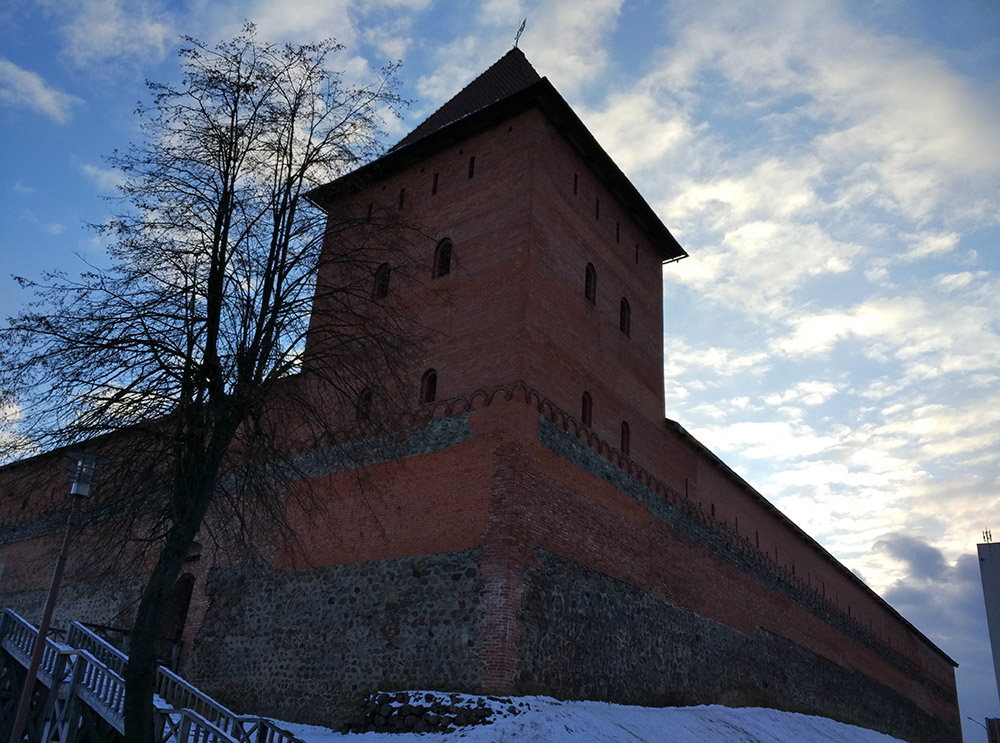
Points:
[[508, 495]]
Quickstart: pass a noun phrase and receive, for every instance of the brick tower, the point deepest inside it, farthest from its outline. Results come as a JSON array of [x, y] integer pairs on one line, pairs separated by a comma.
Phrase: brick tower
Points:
[[542, 528]]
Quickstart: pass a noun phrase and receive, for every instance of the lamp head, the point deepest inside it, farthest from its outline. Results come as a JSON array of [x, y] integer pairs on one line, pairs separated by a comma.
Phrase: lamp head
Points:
[[85, 472]]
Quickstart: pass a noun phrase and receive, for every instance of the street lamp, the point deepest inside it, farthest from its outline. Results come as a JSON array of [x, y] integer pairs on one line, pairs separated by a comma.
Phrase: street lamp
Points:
[[82, 476]]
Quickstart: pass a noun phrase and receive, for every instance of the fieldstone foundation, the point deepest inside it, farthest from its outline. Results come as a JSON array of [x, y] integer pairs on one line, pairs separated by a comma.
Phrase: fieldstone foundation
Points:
[[308, 645]]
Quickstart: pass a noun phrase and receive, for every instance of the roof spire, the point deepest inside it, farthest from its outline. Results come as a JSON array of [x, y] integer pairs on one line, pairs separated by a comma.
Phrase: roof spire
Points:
[[517, 36]]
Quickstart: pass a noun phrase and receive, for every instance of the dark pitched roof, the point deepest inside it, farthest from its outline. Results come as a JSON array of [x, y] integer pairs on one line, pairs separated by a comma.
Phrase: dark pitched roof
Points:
[[510, 74], [507, 89]]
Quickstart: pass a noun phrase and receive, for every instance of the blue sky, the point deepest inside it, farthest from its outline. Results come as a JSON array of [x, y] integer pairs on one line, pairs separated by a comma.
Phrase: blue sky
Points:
[[833, 169]]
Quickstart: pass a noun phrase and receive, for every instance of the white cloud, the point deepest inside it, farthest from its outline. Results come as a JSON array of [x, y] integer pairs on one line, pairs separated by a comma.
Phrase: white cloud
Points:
[[957, 281], [941, 430], [639, 127], [759, 264], [567, 39], [13, 445], [393, 40], [806, 393], [107, 179], [929, 245], [564, 39], [25, 89], [774, 440], [681, 358], [772, 188], [931, 339], [48, 227], [303, 20], [98, 30], [459, 62]]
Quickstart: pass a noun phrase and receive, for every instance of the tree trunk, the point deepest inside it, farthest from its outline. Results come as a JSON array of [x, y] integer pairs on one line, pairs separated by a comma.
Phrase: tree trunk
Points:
[[140, 674]]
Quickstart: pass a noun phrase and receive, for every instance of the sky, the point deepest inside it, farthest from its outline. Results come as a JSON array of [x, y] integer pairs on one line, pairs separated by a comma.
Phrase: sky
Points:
[[832, 168]]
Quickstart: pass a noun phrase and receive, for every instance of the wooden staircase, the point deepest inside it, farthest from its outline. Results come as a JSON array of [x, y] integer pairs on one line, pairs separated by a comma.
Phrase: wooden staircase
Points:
[[80, 693]]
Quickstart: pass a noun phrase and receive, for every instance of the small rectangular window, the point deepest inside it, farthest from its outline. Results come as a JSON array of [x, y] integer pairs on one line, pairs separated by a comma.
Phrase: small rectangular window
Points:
[[472, 166], [402, 197], [434, 185]]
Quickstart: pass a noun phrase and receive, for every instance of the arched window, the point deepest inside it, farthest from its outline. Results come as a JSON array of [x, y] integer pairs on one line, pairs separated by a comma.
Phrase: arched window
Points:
[[590, 284], [442, 259], [380, 289], [626, 438], [428, 386], [587, 409], [625, 318], [364, 406]]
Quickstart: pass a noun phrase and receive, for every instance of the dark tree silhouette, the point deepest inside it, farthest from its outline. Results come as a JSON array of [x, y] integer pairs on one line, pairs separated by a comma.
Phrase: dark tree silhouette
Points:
[[185, 360]]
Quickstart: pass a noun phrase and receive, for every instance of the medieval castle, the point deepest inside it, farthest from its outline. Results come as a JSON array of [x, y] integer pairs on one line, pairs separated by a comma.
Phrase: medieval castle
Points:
[[542, 529]]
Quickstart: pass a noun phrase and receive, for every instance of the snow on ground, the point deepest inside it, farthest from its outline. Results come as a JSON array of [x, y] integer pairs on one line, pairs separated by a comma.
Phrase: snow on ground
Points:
[[542, 719]]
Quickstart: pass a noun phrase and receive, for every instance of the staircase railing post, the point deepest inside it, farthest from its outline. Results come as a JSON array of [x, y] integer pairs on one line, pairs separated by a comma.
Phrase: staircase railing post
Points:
[[70, 727]]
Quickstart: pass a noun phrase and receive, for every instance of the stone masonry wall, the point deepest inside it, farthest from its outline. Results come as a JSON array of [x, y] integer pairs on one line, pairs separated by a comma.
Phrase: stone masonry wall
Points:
[[111, 602], [307, 645], [737, 552], [588, 636]]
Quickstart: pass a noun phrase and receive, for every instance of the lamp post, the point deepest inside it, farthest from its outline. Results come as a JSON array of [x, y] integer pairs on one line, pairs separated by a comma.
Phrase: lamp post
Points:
[[82, 476]]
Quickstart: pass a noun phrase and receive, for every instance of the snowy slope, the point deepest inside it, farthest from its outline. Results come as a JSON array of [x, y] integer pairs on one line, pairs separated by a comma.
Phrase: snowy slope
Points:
[[545, 719]]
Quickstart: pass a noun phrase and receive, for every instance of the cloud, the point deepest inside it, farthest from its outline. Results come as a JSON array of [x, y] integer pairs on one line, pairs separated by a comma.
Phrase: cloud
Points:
[[640, 127], [806, 393], [13, 445], [98, 30], [107, 179], [49, 228], [681, 358], [929, 245], [392, 40], [25, 89], [568, 39], [304, 20], [929, 337], [769, 439], [957, 281], [564, 39], [822, 131], [923, 561], [760, 264]]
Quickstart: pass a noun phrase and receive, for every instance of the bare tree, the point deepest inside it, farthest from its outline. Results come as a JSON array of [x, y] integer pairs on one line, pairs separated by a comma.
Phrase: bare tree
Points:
[[193, 342]]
